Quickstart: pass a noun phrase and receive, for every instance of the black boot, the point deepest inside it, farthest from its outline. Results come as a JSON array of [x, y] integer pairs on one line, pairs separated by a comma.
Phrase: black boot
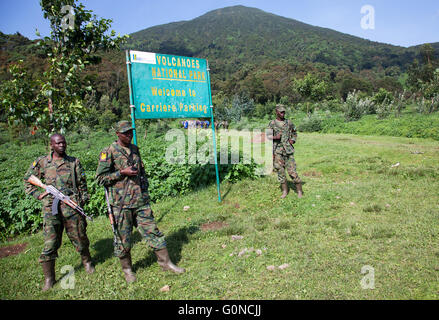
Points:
[[165, 262], [299, 190], [284, 190], [49, 274], [86, 261], [127, 268]]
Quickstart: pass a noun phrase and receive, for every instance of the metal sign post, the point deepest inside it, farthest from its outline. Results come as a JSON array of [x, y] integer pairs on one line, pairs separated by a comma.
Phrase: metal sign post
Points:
[[132, 106], [213, 136]]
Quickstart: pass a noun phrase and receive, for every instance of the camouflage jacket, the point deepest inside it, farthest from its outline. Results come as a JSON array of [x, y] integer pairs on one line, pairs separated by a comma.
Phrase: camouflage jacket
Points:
[[288, 133], [111, 161], [64, 174]]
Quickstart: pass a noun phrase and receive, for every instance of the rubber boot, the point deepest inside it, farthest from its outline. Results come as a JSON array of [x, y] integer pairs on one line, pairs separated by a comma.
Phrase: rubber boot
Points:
[[127, 268], [86, 261], [49, 274], [284, 190], [299, 190], [165, 262]]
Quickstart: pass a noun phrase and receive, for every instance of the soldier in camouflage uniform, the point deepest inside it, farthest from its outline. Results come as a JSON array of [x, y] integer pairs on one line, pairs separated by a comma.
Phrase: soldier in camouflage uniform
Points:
[[284, 135], [64, 173], [121, 171]]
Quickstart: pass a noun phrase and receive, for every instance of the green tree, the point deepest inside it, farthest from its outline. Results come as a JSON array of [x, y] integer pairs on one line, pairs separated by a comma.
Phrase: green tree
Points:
[[421, 73], [427, 53], [430, 91], [382, 95], [20, 102], [221, 105], [311, 87], [76, 35]]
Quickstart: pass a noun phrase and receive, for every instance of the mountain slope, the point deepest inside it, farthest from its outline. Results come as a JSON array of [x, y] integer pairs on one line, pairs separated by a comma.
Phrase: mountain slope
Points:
[[242, 34]]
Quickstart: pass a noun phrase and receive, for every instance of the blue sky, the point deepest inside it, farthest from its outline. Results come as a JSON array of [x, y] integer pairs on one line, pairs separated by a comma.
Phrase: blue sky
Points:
[[403, 23]]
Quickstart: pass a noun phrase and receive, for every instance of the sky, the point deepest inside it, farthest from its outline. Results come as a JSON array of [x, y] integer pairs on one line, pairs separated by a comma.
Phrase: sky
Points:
[[403, 23]]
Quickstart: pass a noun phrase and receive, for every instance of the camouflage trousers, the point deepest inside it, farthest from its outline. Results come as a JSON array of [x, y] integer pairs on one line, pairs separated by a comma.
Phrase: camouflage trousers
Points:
[[143, 219], [282, 162], [53, 227]]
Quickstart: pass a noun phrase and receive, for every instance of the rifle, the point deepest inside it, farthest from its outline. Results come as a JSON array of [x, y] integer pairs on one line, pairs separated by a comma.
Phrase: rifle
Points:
[[57, 196], [110, 212], [113, 220]]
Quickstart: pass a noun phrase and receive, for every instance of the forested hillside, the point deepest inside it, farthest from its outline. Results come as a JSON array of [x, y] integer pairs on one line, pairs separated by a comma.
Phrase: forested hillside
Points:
[[252, 54], [250, 49], [241, 35]]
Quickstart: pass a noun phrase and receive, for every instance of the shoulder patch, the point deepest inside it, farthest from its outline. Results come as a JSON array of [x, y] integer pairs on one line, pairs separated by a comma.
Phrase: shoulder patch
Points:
[[103, 157], [34, 164]]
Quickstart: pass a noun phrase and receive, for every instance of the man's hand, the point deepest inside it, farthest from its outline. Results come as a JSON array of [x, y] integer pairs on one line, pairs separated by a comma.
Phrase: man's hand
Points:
[[292, 141], [277, 137], [129, 172]]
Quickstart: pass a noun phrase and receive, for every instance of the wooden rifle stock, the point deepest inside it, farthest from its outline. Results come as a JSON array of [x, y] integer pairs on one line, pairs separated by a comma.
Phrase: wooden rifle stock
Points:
[[36, 182], [58, 195]]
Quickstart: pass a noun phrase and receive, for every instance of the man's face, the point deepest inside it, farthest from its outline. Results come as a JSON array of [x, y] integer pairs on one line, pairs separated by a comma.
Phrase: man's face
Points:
[[58, 144], [125, 137], [280, 114]]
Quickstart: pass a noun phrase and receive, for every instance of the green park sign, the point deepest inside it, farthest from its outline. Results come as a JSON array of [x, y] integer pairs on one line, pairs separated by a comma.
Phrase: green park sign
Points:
[[167, 86]]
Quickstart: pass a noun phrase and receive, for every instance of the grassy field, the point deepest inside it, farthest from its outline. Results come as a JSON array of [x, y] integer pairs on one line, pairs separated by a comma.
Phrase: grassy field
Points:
[[360, 208]]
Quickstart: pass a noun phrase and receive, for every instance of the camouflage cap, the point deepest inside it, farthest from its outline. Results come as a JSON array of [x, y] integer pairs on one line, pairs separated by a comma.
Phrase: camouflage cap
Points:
[[280, 108], [123, 126]]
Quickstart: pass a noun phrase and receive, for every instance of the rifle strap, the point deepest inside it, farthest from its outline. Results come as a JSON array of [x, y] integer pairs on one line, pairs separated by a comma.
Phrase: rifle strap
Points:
[[122, 150], [127, 182]]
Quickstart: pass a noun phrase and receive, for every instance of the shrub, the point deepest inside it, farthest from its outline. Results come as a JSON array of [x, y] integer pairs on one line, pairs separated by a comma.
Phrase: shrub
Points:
[[312, 123], [107, 119], [381, 96], [427, 106], [355, 106], [332, 105], [351, 109]]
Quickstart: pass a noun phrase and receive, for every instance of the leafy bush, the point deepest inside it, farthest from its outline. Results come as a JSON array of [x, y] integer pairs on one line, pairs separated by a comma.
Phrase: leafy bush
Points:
[[355, 107], [332, 105], [381, 96], [351, 108], [262, 110], [384, 109], [427, 106], [166, 179], [17, 212], [107, 120], [312, 123]]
